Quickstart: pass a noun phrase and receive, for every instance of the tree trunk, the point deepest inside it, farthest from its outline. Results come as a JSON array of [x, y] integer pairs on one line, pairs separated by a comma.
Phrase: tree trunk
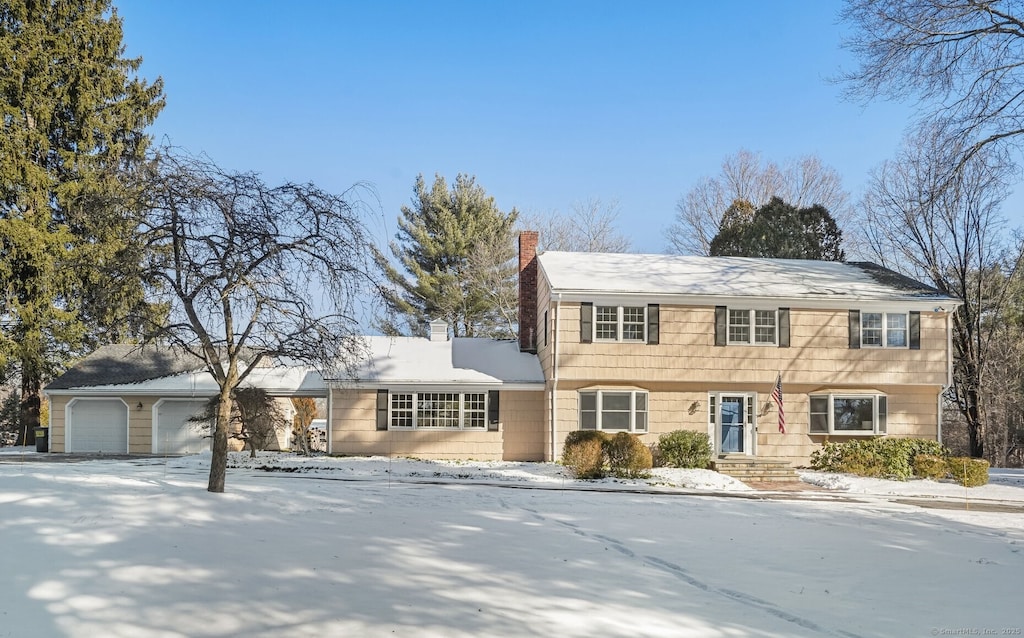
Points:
[[219, 460], [975, 428], [31, 386]]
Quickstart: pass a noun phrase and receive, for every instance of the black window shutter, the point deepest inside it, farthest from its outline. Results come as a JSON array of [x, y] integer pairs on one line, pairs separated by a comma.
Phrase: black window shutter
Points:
[[854, 329], [492, 410], [653, 324], [586, 322], [720, 325], [382, 409], [783, 327], [915, 330]]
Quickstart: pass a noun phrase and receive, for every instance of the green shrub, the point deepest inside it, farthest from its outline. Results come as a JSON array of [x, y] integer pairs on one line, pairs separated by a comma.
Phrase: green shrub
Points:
[[685, 448], [578, 436], [930, 466], [967, 471], [883, 458], [584, 456], [828, 457], [628, 457]]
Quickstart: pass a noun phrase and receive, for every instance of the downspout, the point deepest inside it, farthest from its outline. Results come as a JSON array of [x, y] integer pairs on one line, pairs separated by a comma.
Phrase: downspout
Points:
[[330, 419], [949, 378], [554, 379]]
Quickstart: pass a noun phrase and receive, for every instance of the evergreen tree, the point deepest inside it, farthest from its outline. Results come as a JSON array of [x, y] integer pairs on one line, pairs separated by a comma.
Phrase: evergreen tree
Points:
[[778, 230], [456, 247], [73, 114]]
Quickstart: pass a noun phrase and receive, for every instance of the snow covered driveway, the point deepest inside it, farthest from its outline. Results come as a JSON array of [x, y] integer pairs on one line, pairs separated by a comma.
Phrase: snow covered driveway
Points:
[[139, 548]]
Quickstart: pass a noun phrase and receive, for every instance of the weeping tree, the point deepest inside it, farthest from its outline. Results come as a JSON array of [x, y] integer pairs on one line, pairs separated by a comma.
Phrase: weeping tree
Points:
[[256, 418], [937, 220], [73, 115], [253, 274]]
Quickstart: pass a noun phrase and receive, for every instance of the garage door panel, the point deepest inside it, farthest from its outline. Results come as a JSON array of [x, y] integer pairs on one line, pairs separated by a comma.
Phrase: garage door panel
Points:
[[175, 433], [97, 426]]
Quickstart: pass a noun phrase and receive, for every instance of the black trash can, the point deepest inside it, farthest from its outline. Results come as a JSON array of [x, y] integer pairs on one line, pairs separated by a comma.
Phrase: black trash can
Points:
[[42, 440]]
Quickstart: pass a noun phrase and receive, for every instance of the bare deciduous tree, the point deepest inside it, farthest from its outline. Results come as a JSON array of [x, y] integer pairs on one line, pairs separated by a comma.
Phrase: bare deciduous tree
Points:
[[589, 227], [745, 176], [938, 221], [252, 273], [962, 61]]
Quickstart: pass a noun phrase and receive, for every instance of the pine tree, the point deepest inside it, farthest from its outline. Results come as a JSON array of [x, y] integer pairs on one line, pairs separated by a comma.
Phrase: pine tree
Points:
[[456, 247], [73, 114], [778, 230]]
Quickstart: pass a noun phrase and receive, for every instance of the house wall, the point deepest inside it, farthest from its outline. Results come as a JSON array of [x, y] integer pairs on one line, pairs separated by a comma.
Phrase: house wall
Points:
[[140, 424], [819, 353], [354, 431], [685, 366], [521, 417], [912, 412]]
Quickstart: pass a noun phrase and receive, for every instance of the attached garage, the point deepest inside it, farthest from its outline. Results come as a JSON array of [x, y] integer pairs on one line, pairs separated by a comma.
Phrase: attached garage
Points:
[[174, 432], [97, 425]]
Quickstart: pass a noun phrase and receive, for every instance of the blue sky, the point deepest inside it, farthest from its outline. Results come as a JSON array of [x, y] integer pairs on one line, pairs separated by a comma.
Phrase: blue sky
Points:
[[546, 103]]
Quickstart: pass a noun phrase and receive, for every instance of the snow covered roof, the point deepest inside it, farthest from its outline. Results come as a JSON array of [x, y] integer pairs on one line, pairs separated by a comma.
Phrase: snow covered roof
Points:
[[460, 361], [580, 274], [164, 371], [159, 371]]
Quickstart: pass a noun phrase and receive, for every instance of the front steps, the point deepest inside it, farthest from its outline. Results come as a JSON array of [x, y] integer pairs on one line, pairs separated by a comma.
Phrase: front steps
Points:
[[753, 469]]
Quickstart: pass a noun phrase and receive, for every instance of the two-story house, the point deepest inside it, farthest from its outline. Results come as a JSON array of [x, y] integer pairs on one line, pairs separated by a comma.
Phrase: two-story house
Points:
[[654, 343], [614, 342]]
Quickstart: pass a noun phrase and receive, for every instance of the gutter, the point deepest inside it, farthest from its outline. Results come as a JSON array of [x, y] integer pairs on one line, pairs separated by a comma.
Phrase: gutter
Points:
[[554, 378]]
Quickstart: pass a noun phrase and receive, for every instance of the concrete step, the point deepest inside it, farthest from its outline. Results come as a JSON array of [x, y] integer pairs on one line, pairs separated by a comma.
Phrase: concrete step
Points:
[[752, 468]]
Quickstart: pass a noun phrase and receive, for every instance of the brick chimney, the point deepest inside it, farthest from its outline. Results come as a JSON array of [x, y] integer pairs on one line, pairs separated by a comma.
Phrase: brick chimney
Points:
[[528, 290]]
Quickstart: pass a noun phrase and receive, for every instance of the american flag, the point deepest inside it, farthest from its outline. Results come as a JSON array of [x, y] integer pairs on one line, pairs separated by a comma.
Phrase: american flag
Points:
[[777, 398]]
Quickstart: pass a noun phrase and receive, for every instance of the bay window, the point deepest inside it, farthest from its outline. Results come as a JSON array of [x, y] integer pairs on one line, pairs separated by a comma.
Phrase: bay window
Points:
[[848, 414], [613, 410]]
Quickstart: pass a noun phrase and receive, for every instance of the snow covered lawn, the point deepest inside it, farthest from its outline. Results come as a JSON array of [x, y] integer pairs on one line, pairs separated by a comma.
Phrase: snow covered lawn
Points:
[[372, 547]]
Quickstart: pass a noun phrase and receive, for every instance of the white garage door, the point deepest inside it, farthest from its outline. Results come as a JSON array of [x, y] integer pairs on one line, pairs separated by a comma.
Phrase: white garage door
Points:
[[174, 433], [97, 425]]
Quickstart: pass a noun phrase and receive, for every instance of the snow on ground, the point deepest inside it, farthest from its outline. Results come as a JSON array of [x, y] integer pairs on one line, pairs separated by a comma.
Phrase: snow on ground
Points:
[[379, 547]]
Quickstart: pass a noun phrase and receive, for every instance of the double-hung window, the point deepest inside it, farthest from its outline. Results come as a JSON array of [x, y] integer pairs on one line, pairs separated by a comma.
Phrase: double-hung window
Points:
[[848, 414], [620, 323], [758, 327], [613, 410], [883, 329], [439, 410]]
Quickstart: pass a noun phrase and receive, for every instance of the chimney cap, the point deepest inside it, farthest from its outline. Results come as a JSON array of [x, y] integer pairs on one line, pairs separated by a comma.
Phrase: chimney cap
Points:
[[439, 330]]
